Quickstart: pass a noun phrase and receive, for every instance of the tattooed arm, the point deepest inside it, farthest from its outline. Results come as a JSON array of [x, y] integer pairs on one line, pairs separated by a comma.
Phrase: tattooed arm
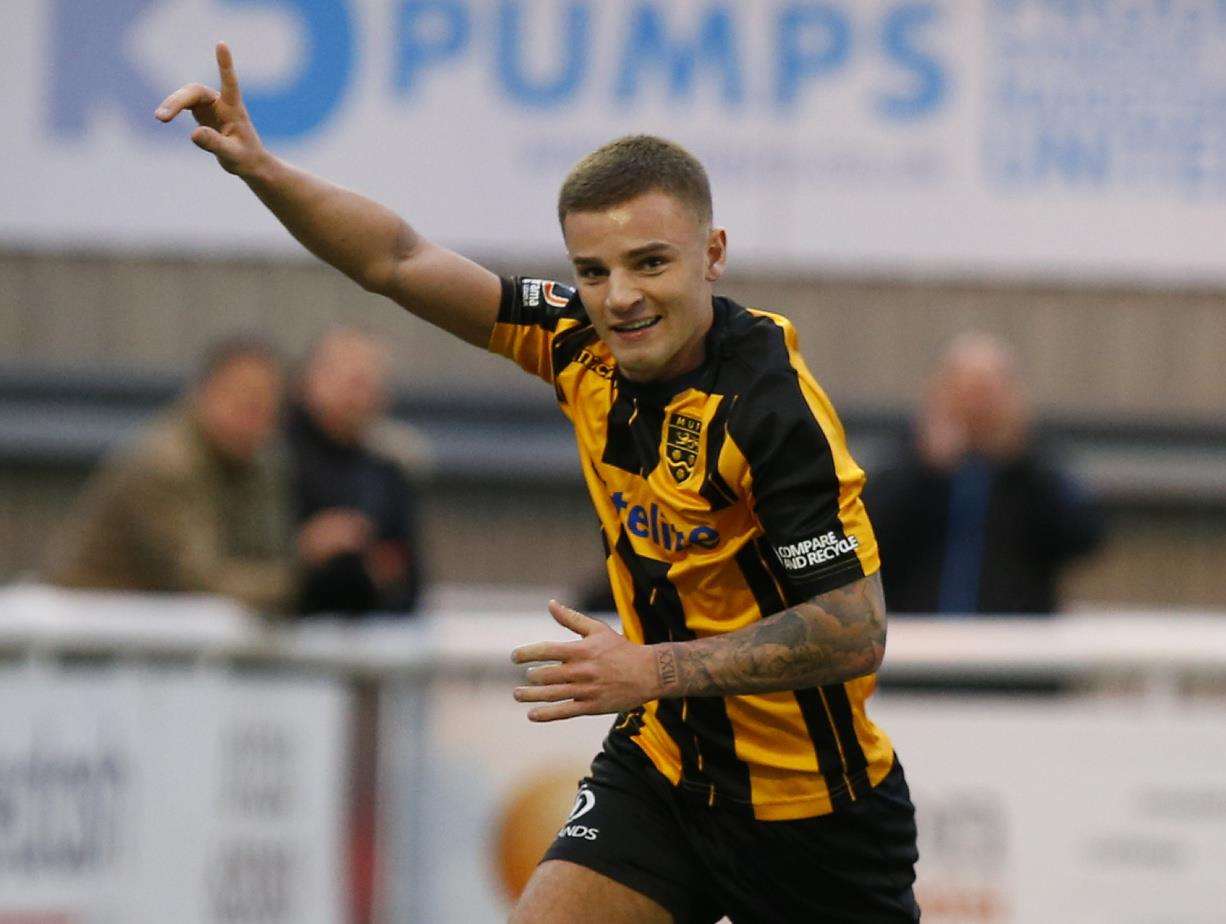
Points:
[[834, 637]]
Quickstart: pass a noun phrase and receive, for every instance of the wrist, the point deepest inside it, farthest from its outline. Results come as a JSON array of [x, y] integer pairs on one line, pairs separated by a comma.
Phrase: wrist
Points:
[[665, 672], [260, 172]]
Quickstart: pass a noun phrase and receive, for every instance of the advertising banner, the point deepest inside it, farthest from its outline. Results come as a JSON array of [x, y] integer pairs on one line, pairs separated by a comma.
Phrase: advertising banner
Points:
[[473, 794], [1064, 813], [999, 137], [145, 794], [1029, 812]]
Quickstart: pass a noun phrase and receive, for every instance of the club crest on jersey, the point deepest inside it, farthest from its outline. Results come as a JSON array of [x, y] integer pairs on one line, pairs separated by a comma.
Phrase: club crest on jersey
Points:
[[681, 445]]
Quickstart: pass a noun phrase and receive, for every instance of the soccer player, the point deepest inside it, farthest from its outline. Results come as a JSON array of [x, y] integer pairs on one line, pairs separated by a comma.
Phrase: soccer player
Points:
[[742, 776]]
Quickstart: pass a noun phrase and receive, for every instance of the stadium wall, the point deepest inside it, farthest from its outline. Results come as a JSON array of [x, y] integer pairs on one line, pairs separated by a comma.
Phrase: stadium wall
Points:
[[1106, 355], [1090, 351]]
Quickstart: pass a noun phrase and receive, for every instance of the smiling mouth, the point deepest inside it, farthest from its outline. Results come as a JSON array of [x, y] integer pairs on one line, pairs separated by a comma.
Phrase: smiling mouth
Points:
[[631, 327]]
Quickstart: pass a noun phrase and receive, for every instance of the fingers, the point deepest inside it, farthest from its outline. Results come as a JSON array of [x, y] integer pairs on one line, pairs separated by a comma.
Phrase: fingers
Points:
[[208, 139], [551, 694], [542, 651], [229, 79], [320, 545], [567, 710], [188, 97], [573, 619], [553, 673], [195, 95], [559, 651]]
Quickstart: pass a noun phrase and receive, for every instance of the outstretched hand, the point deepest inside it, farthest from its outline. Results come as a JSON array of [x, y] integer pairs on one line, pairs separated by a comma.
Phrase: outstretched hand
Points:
[[599, 673], [224, 128]]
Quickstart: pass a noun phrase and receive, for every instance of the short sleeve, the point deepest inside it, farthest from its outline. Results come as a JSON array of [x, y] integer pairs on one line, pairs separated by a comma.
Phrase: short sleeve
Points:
[[532, 315], [804, 484]]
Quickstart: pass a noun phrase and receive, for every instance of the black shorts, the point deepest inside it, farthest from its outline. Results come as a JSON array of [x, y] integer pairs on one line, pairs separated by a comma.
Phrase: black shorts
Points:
[[854, 865]]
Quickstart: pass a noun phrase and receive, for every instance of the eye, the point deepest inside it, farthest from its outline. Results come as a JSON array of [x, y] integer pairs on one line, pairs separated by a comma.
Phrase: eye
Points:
[[654, 262], [591, 272]]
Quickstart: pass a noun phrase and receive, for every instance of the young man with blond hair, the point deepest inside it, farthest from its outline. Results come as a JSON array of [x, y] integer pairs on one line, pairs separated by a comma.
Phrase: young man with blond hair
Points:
[[742, 777]]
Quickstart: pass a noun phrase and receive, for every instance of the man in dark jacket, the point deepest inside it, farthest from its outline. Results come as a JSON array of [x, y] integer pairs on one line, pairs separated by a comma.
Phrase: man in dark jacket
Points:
[[340, 475], [972, 518]]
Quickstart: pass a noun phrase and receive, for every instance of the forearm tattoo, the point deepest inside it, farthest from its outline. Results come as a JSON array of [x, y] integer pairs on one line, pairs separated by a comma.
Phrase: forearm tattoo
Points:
[[666, 665], [834, 637]]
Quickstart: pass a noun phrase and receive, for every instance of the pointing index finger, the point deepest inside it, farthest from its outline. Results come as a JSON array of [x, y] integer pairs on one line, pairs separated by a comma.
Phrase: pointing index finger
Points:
[[573, 619], [225, 67]]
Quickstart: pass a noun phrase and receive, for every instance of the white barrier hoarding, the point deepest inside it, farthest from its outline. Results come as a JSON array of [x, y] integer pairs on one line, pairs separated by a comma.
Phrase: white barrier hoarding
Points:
[[196, 796], [1039, 812], [1063, 813], [475, 798], [998, 136]]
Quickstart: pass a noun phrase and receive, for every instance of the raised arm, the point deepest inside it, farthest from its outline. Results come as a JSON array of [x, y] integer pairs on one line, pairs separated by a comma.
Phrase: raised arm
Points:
[[837, 636], [364, 240]]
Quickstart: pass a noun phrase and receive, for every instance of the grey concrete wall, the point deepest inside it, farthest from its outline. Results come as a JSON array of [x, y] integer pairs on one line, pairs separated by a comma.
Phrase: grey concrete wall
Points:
[[1089, 353]]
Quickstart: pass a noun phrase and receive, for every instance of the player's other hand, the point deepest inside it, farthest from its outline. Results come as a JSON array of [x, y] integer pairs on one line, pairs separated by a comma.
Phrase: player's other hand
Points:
[[332, 532], [223, 127], [599, 673]]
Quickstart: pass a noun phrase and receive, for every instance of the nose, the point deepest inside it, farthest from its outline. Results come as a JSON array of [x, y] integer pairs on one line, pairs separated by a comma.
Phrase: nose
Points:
[[622, 295]]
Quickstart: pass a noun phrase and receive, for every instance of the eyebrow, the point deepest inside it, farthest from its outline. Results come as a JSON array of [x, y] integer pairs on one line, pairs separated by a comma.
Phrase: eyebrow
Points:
[[633, 254]]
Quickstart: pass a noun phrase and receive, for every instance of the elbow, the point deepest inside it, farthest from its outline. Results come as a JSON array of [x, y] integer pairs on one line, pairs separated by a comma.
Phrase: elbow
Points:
[[848, 630], [379, 275], [875, 642], [875, 656], [870, 652], [378, 283], [857, 655], [865, 661]]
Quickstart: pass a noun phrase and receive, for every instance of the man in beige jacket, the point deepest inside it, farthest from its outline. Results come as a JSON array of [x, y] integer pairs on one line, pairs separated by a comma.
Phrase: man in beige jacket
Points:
[[196, 504]]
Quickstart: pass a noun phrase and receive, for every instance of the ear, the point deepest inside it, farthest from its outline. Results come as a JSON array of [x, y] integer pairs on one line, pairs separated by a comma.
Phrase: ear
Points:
[[717, 254]]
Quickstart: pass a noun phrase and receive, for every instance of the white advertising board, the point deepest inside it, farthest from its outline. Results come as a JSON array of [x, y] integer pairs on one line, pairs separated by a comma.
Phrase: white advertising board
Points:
[[198, 796], [472, 793], [1030, 812], [1065, 813], [1016, 137]]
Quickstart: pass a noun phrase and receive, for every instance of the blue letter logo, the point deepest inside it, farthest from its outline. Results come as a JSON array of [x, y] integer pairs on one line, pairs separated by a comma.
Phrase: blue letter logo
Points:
[[649, 45], [897, 38], [89, 68], [429, 31], [311, 99], [521, 86], [814, 39]]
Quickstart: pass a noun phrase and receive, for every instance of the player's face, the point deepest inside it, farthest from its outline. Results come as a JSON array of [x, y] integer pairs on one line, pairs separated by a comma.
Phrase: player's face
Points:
[[645, 269]]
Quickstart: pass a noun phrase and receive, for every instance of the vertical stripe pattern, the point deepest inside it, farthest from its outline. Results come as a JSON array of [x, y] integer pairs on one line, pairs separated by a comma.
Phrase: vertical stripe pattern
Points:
[[759, 510], [699, 725]]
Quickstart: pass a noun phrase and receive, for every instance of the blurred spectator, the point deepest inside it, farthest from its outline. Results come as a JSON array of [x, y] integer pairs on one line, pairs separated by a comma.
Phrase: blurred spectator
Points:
[[195, 505], [972, 518], [343, 474]]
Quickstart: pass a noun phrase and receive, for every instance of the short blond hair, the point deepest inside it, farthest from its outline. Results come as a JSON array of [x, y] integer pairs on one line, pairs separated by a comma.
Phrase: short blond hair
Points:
[[631, 166]]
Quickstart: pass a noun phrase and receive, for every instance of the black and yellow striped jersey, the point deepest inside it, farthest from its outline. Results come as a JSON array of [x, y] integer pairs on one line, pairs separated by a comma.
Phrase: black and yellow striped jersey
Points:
[[724, 496]]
